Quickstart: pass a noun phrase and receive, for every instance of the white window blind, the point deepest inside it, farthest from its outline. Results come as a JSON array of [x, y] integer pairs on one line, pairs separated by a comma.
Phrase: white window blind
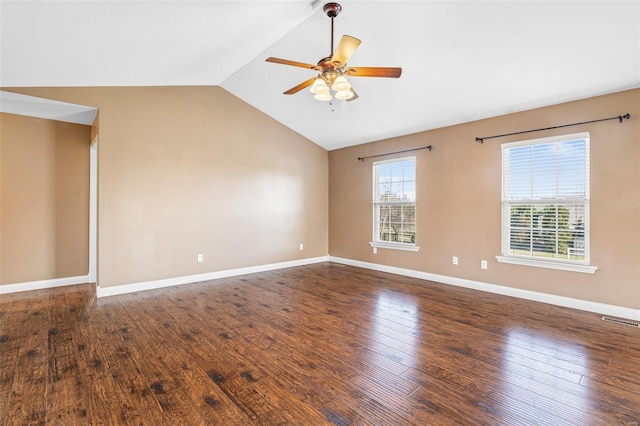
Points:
[[545, 199], [394, 202]]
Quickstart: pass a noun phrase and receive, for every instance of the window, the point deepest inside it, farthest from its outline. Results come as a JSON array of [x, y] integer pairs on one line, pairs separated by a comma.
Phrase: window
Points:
[[545, 203], [394, 204]]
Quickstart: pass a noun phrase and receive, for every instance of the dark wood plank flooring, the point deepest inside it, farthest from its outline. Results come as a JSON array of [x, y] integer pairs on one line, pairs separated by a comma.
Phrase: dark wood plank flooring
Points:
[[320, 344]]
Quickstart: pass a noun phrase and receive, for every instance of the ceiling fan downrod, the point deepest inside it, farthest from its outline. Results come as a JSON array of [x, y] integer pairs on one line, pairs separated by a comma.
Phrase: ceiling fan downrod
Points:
[[332, 10]]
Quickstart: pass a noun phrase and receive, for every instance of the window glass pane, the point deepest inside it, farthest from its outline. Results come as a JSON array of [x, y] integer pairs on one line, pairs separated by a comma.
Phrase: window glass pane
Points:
[[396, 171], [395, 214], [407, 236], [409, 191], [384, 234], [384, 216], [396, 192], [544, 158], [521, 215], [409, 214]]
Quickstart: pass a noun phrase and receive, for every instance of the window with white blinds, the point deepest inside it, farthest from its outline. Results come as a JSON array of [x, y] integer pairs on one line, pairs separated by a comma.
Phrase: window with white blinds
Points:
[[394, 203], [545, 200]]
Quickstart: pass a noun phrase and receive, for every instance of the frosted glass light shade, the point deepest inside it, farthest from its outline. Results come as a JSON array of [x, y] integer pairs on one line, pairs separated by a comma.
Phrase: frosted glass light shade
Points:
[[319, 86], [323, 96], [341, 84], [344, 94]]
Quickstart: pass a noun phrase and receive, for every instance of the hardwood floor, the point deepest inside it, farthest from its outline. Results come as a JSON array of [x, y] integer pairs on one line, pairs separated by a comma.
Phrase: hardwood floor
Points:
[[319, 344]]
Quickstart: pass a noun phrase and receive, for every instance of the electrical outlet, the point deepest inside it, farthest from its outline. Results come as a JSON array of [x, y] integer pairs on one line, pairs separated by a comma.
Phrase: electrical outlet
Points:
[[483, 264], [375, 250], [301, 246], [455, 260], [200, 258]]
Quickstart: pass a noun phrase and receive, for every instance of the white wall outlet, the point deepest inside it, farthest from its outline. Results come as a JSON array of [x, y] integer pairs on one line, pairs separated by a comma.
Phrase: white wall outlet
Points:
[[455, 260], [375, 250], [301, 246], [200, 258], [483, 264]]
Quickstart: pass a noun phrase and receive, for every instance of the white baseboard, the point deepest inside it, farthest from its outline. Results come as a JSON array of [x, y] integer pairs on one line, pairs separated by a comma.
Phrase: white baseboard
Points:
[[583, 305], [168, 282], [39, 285]]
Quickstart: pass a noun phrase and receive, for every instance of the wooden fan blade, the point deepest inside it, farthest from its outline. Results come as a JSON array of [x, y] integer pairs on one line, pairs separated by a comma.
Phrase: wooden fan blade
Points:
[[300, 86], [355, 96], [373, 72], [345, 49], [292, 63]]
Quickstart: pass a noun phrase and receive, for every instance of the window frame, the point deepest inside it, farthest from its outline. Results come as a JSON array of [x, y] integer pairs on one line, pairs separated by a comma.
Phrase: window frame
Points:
[[507, 256], [376, 242]]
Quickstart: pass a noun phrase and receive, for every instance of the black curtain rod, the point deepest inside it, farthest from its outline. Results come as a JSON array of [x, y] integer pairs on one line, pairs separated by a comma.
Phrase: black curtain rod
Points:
[[619, 118], [397, 152]]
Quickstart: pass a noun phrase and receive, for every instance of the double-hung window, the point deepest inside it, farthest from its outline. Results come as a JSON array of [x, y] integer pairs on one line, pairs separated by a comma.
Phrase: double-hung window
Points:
[[545, 203], [394, 204]]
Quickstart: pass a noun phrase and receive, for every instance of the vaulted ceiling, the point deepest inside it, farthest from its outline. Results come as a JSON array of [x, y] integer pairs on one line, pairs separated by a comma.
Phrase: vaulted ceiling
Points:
[[461, 60]]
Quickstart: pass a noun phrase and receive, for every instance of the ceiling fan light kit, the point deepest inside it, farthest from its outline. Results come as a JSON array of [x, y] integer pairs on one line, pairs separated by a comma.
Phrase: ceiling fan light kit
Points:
[[323, 96], [344, 94], [333, 69], [340, 84], [319, 86]]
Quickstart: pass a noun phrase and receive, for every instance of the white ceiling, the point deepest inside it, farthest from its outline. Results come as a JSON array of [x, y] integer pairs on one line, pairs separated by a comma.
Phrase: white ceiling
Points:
[[461, 60]]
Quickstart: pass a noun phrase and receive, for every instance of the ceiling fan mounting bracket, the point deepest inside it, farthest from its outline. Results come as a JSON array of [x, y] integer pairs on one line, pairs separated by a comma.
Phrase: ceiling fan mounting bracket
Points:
[[332, 9]]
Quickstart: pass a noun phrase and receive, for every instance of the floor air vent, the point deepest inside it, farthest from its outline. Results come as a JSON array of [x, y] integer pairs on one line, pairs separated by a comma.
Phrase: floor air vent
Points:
[[619, 321]]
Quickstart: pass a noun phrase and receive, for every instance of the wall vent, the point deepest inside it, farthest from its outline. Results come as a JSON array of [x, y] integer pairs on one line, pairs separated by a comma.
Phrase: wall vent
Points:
[[620, 321]]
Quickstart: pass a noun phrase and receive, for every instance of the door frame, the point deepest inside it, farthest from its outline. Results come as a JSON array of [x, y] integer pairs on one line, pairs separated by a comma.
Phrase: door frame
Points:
[[93, 211]]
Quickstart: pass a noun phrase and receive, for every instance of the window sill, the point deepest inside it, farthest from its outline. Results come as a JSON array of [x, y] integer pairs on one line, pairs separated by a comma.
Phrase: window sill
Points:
[[394, 246], [586, 269]]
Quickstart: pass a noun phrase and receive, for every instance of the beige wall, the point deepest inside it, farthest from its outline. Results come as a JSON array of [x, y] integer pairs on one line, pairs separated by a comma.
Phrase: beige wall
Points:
[[458, 201], [44, 199], [189, 170]]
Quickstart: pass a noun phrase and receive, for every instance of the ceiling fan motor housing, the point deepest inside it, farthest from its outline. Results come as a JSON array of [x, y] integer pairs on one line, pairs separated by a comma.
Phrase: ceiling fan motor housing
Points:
[[328, 69]]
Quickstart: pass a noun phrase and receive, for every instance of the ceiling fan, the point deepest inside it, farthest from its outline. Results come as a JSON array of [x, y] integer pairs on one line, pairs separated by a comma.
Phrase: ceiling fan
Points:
[[333, 69]]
